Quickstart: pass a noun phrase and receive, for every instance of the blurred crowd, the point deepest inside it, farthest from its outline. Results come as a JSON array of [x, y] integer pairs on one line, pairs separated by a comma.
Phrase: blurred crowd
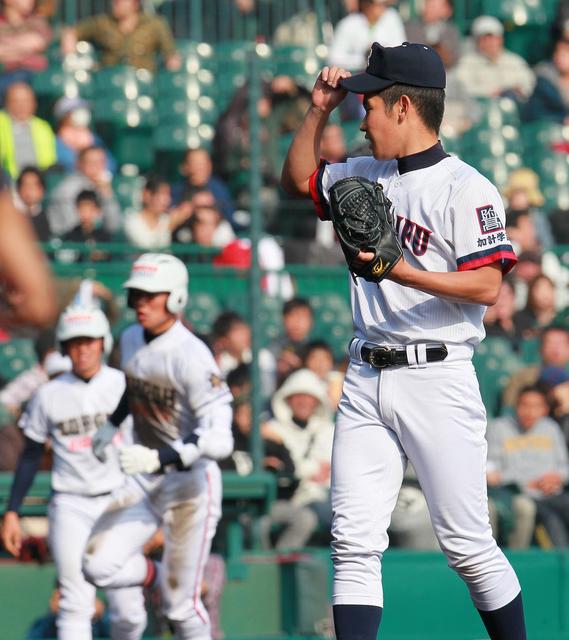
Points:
[[64, 177]]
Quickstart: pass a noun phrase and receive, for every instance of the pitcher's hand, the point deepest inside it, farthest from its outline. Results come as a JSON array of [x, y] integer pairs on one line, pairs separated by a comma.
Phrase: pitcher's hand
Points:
[[327, 92]]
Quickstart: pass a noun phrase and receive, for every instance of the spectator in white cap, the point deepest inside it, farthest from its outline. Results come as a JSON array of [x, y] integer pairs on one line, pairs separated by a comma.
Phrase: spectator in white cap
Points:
[[491, 70], [73, 132]]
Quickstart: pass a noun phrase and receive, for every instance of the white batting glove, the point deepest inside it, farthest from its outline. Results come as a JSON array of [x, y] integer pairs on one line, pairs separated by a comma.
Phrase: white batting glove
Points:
[[102, 439], [138, 459]]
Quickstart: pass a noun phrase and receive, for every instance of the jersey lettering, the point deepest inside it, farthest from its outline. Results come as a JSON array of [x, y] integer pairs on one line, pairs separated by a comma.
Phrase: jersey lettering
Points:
[[80, 443], [81, 425], [413, 236], [142, 389], [495, 238]]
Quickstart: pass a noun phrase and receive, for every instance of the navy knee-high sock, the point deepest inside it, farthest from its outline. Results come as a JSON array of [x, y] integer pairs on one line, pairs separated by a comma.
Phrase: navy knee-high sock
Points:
[[356, 621], [506, 623]]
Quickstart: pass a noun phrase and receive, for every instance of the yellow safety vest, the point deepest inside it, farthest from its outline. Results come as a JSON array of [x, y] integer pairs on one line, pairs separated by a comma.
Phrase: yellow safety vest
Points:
[[42, 137]]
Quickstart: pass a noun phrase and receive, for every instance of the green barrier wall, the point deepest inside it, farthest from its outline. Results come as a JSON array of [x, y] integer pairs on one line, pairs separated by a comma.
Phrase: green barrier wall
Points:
[[424, 600]]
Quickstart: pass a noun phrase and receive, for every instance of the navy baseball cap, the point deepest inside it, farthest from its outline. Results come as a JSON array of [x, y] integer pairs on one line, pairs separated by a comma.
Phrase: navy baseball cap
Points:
[[410, 63]]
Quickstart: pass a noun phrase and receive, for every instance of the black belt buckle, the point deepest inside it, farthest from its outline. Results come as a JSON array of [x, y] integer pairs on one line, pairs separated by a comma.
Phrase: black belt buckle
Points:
[[381, 357]]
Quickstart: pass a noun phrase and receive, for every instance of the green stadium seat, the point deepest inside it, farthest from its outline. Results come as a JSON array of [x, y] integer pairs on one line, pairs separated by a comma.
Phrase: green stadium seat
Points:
[[124, 113], [85, 56], [232, 56], [123, 81], [540, 141], [336, 333], [181, 84], [132, 147], [352, 134], [16, 356], [529, 351], [496, 169], [233, 67], [180, 137], [302, 64], [128, 190], [497, 112], [492, 142], [195, 55], [451, 143], [333, 321], [556, 196], [532, 42], [126, 126], [202, 309], [516, 12], [52, 179], [184, 111], [553, 171], [544, 133], [237, 303], [271, 318], [495, 361], [55, 82], [333, 301]]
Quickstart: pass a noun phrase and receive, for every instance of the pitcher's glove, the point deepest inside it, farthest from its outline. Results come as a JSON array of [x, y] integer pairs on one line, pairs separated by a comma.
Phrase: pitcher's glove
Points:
[[362, 219]]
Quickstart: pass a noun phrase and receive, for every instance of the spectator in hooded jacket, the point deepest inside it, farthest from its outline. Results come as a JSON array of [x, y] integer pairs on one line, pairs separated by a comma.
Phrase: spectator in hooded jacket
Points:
[[303, 422]]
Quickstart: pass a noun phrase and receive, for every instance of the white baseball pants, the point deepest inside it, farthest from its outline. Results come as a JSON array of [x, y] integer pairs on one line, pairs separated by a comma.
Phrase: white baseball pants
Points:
[[71, 519], [188, 505], [432, 416]]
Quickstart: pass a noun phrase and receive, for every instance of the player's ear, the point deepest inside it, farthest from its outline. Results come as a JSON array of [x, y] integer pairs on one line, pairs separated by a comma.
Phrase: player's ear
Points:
[[403, 106]]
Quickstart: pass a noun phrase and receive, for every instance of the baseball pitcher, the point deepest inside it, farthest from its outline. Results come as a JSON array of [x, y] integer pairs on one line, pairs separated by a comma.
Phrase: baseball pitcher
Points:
[[424, 238]]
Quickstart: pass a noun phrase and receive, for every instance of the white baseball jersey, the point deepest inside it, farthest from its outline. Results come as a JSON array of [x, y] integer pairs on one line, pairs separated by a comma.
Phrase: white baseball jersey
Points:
[[449, 218], [174, 386], [69, 410]]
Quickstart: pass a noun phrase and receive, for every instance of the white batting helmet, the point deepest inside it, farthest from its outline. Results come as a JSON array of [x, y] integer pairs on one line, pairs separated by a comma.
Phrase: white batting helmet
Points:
[[84, 322], [161, 273]]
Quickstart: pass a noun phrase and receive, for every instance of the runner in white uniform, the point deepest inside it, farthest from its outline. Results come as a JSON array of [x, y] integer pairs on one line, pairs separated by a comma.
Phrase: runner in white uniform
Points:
[[68, 410], [181, 410], [417, 397]]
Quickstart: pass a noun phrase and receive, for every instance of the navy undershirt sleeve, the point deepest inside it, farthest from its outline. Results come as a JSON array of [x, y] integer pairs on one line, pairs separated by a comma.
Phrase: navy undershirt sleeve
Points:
[[168, 455], [121, 412], [28, 465]]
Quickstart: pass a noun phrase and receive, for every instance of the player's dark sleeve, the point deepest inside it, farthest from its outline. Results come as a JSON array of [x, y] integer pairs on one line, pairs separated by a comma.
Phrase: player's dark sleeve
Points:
[[121, 412], [28, 465], [168, 455]]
